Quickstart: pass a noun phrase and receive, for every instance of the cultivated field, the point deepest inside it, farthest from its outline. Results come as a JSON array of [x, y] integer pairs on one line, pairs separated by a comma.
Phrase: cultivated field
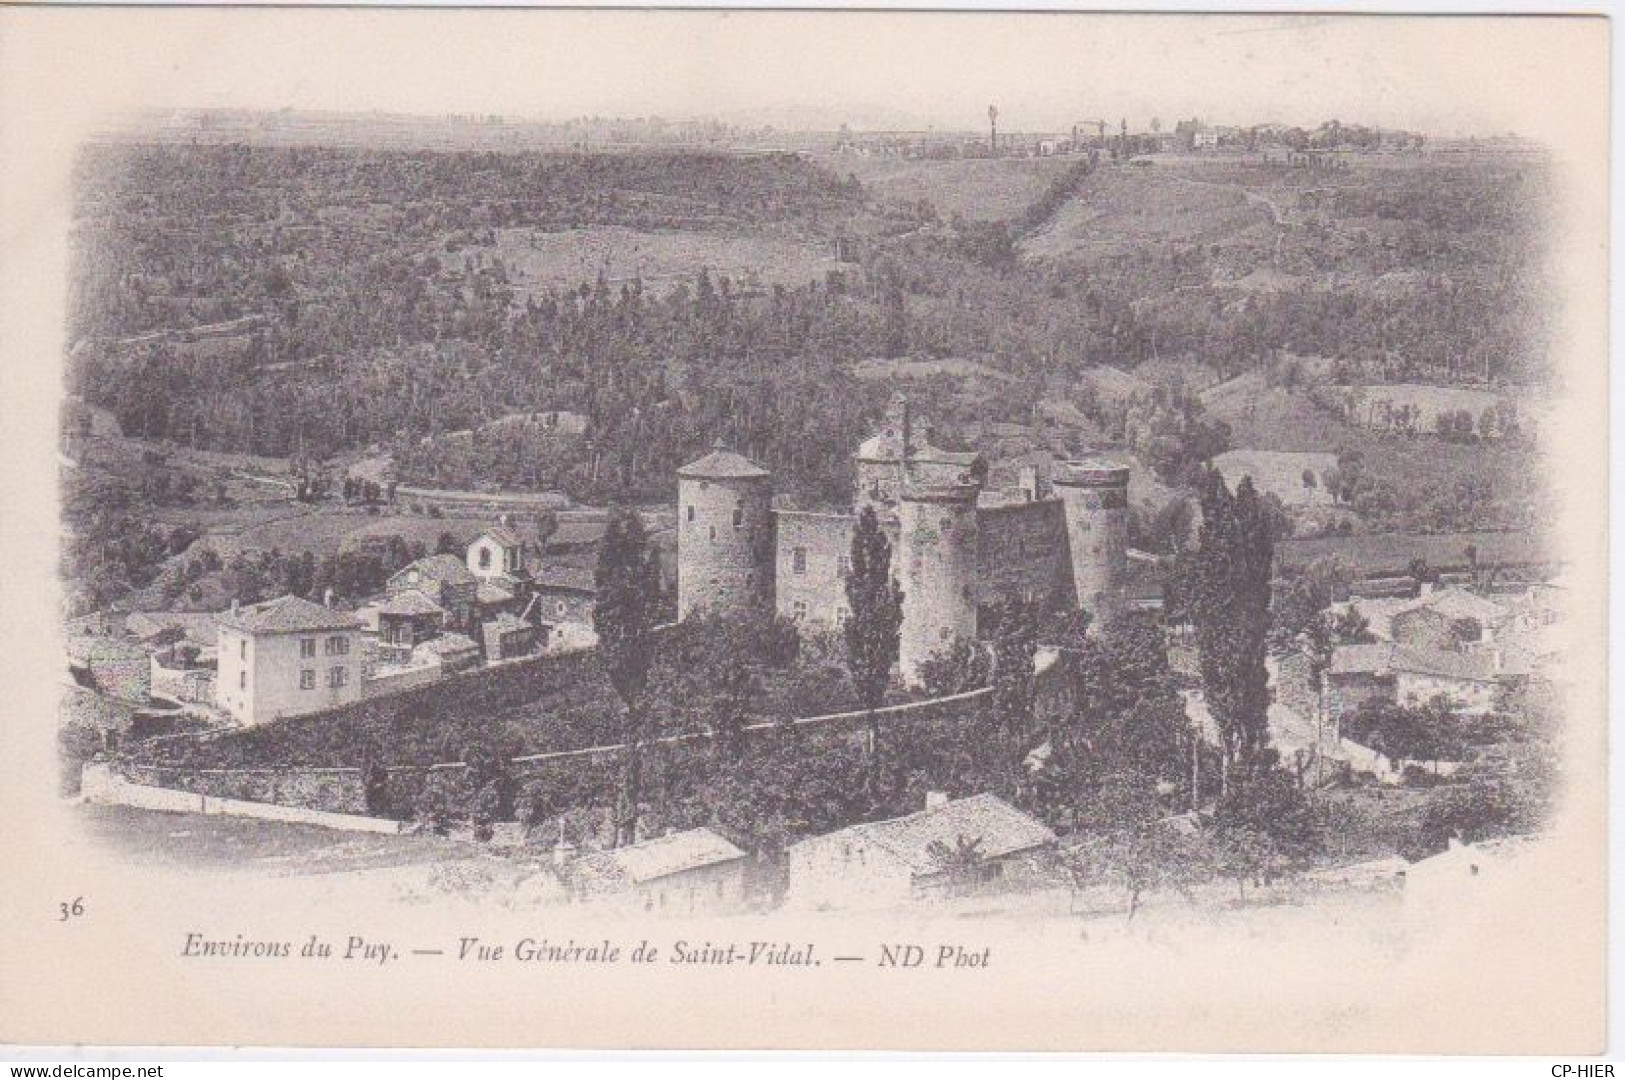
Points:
[[1122, 208], [975, 189]]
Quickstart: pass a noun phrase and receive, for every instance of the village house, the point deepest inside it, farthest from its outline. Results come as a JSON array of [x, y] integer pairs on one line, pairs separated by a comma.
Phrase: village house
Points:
[[287, 657], [497, 552], [445, 580], [565, 594], [681, 874], [1413, 676], [405, 621], [972, 844], [508, 636]]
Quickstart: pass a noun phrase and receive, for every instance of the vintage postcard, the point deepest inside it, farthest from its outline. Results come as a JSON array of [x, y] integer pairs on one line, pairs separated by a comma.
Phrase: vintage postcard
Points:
[[833, 530]]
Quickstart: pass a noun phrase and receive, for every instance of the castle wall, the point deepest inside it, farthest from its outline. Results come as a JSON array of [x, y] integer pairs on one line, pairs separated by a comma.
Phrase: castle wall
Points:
[[724, 557], [811, 563], [1022, 553], [939, 550]]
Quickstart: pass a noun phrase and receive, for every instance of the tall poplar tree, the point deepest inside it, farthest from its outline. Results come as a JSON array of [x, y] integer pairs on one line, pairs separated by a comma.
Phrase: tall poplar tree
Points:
[[628, 586], [874, 632], [1230, 607]]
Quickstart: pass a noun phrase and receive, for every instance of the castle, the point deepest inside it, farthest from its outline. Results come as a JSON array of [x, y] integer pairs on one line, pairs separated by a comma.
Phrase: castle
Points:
[[1060, 538]]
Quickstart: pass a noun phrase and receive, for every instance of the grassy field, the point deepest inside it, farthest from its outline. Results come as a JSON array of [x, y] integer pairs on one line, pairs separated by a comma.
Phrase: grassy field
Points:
[[1280, 473], [1122, 208], [538, 261], [974, 189], [1427, 401]]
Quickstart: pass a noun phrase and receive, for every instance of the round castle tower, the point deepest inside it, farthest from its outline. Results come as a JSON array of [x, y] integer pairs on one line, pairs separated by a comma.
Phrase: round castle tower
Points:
[[937, 554], [1094, 497], [724, 533]]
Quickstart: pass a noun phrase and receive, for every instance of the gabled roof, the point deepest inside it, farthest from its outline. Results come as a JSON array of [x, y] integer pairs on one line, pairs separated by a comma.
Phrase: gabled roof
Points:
[[504, 535], [1445, 663], [198, 627], [446, 569], [656, 858], [998, 828], [1375, 658], [410, 602], [1462, 604], [569, 578], [488, 593], [287, 615], [723, 464]]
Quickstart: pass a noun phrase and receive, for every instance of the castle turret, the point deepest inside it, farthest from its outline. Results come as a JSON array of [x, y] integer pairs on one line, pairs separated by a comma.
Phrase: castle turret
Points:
[[937, 552], [724, 534], [1094, 495]]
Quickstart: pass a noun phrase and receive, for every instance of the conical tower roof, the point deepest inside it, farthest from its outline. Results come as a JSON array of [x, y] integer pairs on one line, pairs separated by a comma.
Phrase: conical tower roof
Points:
[[723, 464]]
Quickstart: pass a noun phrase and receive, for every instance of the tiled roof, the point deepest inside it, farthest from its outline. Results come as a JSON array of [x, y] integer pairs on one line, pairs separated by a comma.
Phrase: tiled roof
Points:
[[507, 621], [1445, 663], [1373, 659], [199, 627], [656, 858], [447, 645], [574, 578], [410, 602], [723, 464], [504, 535], [447, 569], [1461, 604], [488, 593], [999, 829], [288, 614]]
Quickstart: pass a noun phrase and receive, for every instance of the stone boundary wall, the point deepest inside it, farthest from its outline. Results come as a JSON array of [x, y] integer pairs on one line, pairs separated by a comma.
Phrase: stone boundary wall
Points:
[[100, 784], [566, 774], [334, 790]]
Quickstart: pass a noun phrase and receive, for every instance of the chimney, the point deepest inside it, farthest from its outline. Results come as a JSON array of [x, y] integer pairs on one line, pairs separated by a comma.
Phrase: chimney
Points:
[[327, 597], [1426, 588], [234, 605], [936, 800]]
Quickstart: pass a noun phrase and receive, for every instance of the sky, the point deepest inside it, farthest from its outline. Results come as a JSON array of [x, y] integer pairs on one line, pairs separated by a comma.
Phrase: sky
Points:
[[1444, 76]]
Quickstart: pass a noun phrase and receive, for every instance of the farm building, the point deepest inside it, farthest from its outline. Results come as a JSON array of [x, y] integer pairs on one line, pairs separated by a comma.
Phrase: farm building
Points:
[[680, 874], [971, 844]]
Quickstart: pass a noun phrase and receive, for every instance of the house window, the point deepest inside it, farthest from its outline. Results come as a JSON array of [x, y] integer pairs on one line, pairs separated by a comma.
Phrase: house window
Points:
[[739, 517], [798, 560], [337, 677], [713, 532], [798, 610], [485, 558], [691, 512], [307, 648], [338, 645], [841, 617], [307, 679], [242, 680], [843, 566], [560, 607], [242, 649]]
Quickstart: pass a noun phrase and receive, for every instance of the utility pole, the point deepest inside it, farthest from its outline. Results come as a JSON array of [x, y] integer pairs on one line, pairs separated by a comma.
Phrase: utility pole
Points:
[[993, 129]]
